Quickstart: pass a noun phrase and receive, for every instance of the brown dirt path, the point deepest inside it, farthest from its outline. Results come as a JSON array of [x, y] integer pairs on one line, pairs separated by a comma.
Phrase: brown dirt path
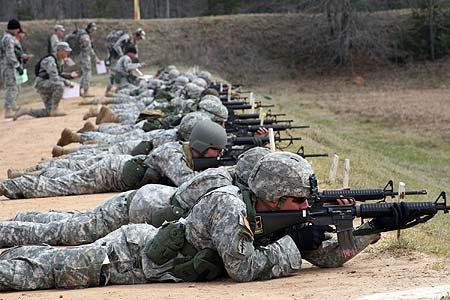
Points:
[[28, 140]]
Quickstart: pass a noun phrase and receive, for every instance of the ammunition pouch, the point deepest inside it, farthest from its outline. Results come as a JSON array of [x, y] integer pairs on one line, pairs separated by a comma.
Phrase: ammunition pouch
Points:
[[135, 174], [143, 148], [166, 244], [205, 265]]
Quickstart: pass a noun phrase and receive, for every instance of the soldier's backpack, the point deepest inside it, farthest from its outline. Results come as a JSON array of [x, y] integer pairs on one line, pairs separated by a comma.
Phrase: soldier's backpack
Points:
[[37, 67], [112, 38], [74, 41]]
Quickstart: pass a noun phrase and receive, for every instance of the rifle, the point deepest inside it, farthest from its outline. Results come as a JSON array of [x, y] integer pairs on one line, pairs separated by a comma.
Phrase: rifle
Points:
[[254, 128], [301, 152], [258, 141], [248, 106], [258, 121], [269, 224], [225, 86], [204, 163], [255, 116], [331, 196]]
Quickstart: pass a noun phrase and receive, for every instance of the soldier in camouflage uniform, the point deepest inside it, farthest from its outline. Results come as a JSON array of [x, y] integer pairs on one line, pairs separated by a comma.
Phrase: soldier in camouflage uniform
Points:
[[50, 84], [55, 38], [152, 204], [123, 76], [171, 162], [118, 49], [215, 236], [87, 51], [9, 65]]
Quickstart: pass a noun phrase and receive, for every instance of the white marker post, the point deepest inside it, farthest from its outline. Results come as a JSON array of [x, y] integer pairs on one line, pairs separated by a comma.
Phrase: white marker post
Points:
[[229, 93], [345, 181], [261, 117], [401, 196], [221, 87], [252, 103], [272, 140], [333, 168]]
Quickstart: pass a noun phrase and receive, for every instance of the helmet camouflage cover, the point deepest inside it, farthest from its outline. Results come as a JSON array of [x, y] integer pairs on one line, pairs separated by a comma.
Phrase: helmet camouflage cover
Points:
[[247, 160], [189, 121], [280, 174]]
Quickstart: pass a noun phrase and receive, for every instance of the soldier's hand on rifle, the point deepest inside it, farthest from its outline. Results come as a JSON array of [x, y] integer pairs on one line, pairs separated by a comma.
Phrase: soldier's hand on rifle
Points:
[[310, 237], [400, 216], [71, 84], [261, 132]]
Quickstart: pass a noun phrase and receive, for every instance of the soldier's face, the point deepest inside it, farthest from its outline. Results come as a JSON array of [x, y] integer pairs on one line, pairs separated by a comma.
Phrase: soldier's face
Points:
[[59, 33], [211, 152], [288, 203]]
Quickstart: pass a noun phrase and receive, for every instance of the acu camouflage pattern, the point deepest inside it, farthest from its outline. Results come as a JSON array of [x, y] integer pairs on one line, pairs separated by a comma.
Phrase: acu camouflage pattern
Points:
[[188, 122], [246, 161], [86, 52], [9, 63], [218, 221], [280, 174], [51, 90], [76, 228], [170, 162], [122, 73], [54, 40], [103, 176]]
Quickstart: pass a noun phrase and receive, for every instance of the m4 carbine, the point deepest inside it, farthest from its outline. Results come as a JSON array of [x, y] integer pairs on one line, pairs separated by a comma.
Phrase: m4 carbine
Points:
[[271, 224], [331, 196], [254, 128]]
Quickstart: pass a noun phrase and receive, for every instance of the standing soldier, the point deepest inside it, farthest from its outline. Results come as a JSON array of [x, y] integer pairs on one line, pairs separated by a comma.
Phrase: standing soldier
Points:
[[9, 65], [117, 41], [55, 38], [50, 83], [86, 51]]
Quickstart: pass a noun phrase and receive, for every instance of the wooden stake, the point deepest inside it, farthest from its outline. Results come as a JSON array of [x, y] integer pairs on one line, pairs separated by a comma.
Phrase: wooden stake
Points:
[[252, 103], [333, 168], [272, 139], [345, 181]]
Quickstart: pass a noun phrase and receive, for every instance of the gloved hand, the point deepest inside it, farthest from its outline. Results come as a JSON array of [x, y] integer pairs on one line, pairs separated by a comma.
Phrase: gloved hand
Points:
[[19, 70], [399, 217], [310, 237]]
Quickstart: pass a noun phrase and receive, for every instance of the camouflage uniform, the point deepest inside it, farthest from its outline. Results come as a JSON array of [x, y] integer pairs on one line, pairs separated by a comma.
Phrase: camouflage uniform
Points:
[[9, 63], [122, 73], [50, 86], [94, 149], [54, 40], [103, 176], [75, 228], [85, 60]]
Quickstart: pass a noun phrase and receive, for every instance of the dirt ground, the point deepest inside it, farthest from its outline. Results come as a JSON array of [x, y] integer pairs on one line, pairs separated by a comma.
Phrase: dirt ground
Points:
[[29, 140]]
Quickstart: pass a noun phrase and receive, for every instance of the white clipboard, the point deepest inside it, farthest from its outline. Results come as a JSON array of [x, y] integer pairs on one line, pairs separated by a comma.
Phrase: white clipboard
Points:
[[101, 67], [71, 92]]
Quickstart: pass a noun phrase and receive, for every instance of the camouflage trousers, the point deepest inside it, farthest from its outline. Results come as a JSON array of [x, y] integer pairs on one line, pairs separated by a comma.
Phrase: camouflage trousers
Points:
[[99, 149], [11, 87], [115, 259], [76, 228], [85, 64], [103, 176], [51, 94], [74, 163], [114, 128], [136, 134]]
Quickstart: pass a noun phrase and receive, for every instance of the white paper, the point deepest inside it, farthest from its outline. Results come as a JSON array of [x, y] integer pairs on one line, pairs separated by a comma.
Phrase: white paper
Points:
[[21, 78], [69, 62], [146, 77], [71, 92], [101, 67]]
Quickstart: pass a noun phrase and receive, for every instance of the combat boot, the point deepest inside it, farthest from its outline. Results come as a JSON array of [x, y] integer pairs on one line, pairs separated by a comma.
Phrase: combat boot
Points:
[[58, 151], [88, 126], [9, 113], [57, 112], [92, 112], [68, 137], [2, 191], [22, 111], [106, 115]]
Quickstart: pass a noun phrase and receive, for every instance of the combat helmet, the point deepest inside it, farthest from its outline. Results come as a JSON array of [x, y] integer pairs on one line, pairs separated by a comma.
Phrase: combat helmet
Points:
[[217, 111], [247, 160], [280, 174], [188, 122], [207, 134]]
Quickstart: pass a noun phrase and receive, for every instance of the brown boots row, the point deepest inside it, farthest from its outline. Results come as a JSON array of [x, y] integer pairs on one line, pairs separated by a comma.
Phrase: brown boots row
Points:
[[102, 114]]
